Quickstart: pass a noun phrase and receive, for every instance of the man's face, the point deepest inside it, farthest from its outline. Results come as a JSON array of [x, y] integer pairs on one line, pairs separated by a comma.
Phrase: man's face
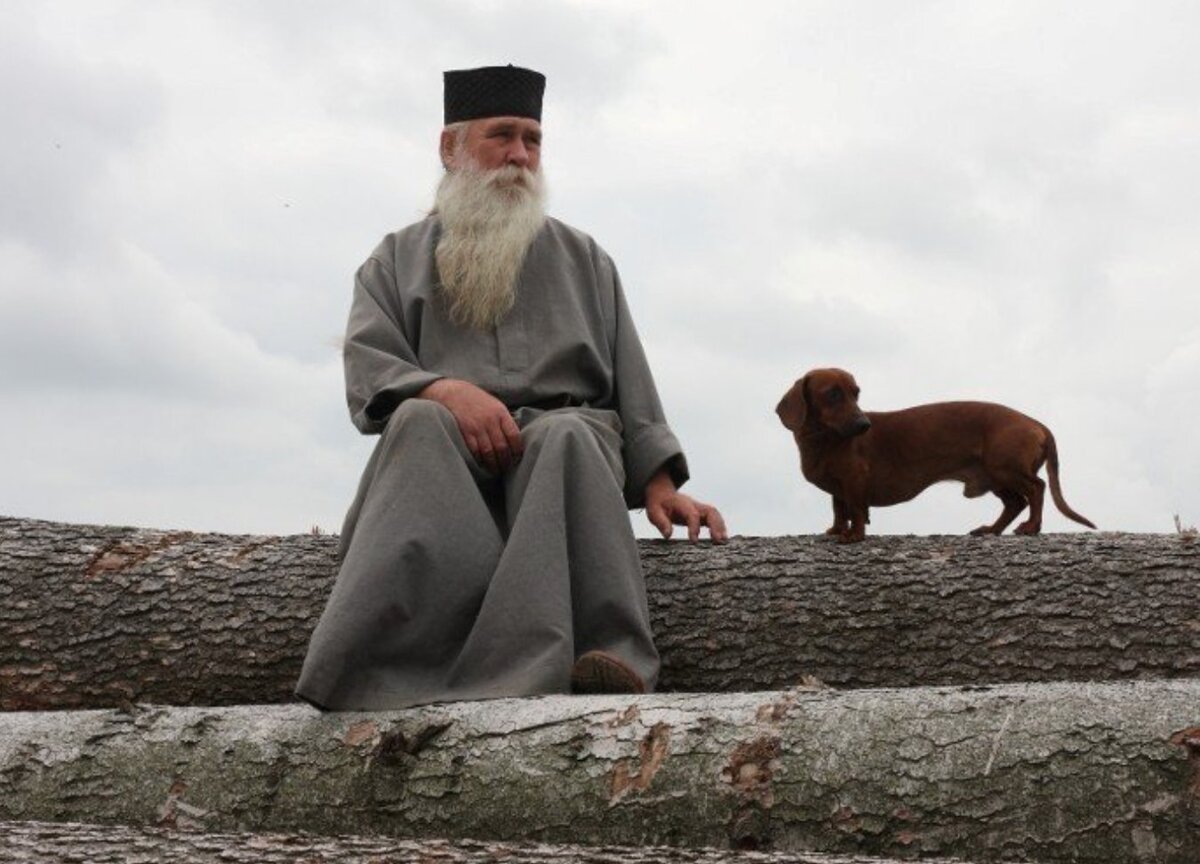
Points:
[[494, 142]]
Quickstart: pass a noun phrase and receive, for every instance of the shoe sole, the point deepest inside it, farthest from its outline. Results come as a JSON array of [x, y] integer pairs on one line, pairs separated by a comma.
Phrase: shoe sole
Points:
[[596, 672]]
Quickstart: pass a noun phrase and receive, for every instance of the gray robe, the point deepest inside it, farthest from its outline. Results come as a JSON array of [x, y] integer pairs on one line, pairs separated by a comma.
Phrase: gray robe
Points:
[[458, 584]]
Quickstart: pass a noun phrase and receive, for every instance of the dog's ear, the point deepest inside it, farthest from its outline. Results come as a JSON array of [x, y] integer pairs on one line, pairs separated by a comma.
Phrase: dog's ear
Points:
[[793, 407]]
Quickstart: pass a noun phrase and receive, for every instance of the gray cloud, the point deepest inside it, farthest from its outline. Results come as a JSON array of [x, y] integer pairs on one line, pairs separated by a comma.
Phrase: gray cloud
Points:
[[990, 201], [68, 121]]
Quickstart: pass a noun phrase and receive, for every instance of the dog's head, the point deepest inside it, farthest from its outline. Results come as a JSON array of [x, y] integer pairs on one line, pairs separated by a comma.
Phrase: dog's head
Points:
[[824, 399]]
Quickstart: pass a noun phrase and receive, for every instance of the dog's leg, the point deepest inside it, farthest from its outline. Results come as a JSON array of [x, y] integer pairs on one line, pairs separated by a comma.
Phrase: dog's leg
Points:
[[841, 519], [857, 530], [1013, 505], [1034, 491]]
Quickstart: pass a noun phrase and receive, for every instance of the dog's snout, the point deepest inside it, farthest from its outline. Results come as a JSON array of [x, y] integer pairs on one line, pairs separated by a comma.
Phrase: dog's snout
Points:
[[854, 426]]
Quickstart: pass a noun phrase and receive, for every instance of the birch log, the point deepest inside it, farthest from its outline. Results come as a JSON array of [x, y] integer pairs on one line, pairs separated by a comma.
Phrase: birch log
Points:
[[56, 843], [96, 616], [1050, 772]]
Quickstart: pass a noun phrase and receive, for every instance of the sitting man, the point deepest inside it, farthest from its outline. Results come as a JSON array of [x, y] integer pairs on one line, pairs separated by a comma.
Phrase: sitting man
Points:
[[488, 551]]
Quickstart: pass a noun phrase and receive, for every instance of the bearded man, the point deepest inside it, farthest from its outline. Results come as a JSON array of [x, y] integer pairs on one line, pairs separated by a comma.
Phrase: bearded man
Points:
[[488, 551]]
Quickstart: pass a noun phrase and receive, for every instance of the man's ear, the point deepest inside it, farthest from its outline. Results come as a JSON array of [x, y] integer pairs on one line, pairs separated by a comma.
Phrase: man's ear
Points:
[[446, 147], [793, 407]]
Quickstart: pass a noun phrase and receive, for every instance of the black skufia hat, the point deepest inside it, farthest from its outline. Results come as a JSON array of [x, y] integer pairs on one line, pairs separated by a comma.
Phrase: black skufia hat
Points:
[[492, 91]]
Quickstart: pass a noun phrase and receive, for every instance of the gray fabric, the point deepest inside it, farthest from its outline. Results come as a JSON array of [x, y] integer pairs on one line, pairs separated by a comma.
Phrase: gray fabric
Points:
[[456, 584], [569, 334]]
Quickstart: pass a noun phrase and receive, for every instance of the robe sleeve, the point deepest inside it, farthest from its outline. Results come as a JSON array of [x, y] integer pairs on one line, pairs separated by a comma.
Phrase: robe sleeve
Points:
[[649, 442], [380, 360]]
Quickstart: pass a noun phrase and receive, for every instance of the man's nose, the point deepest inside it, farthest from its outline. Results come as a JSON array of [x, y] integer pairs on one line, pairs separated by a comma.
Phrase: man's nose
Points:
[[518, 153]]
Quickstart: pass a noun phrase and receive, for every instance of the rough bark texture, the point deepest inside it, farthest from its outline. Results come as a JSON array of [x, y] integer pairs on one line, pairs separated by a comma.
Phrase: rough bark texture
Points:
[[53, 843], [97, 616], [1071, 772], [914, 611]]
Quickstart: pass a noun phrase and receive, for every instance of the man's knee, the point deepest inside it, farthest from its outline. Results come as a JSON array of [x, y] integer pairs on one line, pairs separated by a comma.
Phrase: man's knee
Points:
[[559, 428], [416, 410], [582, 435], [422, 418]]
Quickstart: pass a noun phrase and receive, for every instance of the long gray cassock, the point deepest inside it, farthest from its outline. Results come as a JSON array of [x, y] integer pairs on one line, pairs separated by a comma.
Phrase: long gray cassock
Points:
[[455, 583]]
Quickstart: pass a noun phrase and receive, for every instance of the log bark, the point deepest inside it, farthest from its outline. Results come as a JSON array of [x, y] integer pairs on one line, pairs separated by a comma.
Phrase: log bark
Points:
[[97, 616], [1052, 772], [59, 843]]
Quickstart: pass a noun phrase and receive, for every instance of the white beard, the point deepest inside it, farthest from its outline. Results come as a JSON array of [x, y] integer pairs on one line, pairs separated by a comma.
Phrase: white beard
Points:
[[489, 220]]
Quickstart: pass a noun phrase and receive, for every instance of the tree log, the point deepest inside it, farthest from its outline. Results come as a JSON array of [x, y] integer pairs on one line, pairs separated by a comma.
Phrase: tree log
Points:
[[56, 843], [1053, 772], [92, 617]]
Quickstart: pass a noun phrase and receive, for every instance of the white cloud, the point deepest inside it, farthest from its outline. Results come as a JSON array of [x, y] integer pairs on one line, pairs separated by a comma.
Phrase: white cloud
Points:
[[953, 200]]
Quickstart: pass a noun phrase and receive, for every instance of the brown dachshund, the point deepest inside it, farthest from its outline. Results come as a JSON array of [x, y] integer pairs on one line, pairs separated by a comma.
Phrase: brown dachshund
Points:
[[885, 457]]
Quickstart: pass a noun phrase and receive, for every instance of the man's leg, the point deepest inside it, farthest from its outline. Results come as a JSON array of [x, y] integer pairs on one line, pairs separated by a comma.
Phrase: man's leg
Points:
[[420, 545], [569, 580]]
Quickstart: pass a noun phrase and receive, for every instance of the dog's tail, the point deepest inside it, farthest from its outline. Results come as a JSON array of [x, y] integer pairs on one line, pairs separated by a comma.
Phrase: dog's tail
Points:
[[1055, 488]]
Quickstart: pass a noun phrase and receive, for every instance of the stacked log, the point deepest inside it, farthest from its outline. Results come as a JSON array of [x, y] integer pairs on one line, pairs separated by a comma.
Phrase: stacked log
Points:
[[55, 843], [94, 617], [998, 699]]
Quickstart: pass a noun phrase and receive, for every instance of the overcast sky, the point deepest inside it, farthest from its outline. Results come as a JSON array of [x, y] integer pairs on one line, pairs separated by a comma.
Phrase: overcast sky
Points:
[[983, 200]]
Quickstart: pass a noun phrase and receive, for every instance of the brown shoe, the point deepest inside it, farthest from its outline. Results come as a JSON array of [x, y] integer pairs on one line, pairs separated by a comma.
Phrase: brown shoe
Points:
[[601, 672]]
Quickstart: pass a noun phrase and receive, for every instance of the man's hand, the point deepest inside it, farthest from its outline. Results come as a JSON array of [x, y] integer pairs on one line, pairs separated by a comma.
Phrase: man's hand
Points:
[[666, 506], [487, 428]]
